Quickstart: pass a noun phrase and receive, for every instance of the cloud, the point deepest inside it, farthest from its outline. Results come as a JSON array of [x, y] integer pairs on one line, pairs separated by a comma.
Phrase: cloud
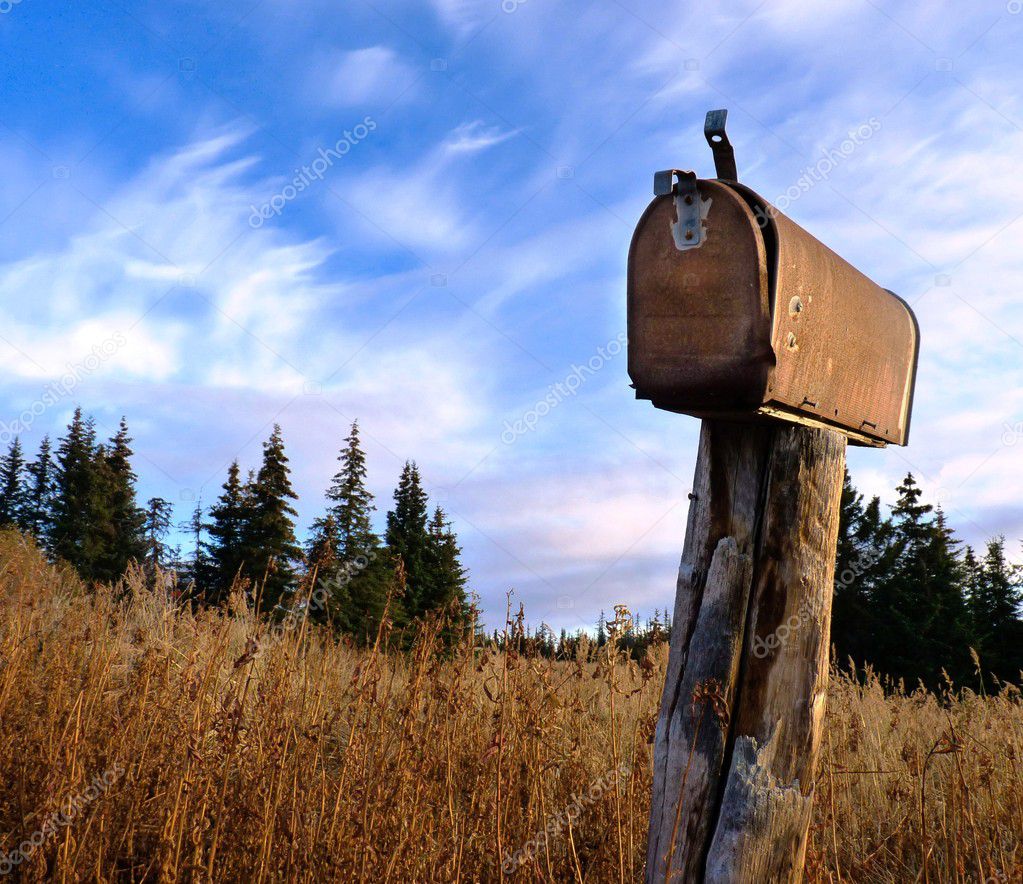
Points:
[[463, 15], [475, 136], [373, 75]]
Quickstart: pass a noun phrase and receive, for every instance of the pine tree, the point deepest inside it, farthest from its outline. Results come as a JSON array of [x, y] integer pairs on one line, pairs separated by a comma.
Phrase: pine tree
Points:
[[360, 595], [39, 495], [973, 592], [117, 517], [198, 568], [952, 636], [351, 501], [323, 549], [13, 497], [268, 538], [355, 573], [227, 528], [408, 539], [995, 604], [159, 514], [446, 585], [863, 545], [74, 536], [923, 626]]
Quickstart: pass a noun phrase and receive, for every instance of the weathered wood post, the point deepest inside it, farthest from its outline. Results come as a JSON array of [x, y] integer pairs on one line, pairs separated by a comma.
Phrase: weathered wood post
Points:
[[738, 316]]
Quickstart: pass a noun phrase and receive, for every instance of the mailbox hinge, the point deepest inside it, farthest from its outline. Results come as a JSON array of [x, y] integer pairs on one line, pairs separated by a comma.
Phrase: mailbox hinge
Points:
[[717, 138], [687, 228]]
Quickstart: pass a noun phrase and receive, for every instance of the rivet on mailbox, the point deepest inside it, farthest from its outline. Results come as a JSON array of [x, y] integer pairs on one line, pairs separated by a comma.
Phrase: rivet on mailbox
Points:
[[736, 312]]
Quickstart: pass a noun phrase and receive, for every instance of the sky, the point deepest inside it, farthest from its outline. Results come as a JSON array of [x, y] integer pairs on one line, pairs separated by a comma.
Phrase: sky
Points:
[[218, 216]]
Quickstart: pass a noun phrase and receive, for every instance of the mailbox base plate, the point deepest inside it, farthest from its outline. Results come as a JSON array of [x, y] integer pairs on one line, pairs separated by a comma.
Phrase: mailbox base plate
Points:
[[774, 413]]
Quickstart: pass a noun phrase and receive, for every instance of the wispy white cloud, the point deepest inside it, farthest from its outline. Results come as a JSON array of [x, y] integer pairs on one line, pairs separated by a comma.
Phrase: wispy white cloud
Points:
[[359, 77], [475, 136]]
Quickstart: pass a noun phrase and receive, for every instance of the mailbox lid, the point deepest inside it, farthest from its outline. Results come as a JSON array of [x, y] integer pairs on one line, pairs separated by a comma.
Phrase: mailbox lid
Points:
[[699, 317]]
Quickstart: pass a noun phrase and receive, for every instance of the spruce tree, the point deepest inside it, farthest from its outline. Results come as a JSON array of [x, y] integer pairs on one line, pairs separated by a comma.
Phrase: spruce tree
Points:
[[355, 574], [863, 547], [995, 605], [268, 538], [447, 576], [408, 539], [159, 514], [226, 529], [351, 501], [13, 498], [920, 609], [323, 549], [39, 495], [117, 517], [74, 536], [197, 570], [359, 595]]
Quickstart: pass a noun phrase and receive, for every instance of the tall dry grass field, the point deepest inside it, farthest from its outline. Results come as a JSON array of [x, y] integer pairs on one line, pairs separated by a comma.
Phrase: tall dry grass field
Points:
[[146, 742]]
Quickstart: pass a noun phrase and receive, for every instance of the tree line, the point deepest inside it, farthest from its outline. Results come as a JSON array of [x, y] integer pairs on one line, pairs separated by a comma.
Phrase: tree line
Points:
[[913, 601], [79, 502], [910, 600]]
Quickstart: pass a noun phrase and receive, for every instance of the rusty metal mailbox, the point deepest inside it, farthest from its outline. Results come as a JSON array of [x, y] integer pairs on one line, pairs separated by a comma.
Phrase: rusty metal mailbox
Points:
[[735, 311]]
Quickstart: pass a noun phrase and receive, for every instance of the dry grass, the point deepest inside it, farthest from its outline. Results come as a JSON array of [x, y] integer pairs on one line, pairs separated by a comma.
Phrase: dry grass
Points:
[[234, 754]]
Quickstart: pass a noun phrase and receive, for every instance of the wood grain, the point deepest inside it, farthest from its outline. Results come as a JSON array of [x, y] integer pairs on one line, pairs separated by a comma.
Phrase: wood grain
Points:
[[752, 614]]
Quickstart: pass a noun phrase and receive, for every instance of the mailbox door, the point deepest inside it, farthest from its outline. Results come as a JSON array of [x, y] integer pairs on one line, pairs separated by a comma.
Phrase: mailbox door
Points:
[[699, 317]]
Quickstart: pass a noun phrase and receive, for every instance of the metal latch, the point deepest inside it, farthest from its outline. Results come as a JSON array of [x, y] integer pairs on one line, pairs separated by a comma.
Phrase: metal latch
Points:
[[687, 228], [717, 138]]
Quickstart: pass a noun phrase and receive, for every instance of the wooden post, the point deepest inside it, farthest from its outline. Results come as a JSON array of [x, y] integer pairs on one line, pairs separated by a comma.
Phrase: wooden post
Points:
[[734, 769]]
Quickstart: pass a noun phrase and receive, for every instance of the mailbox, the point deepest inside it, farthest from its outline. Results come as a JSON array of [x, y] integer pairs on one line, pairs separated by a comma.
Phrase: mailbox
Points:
[[736, 312]]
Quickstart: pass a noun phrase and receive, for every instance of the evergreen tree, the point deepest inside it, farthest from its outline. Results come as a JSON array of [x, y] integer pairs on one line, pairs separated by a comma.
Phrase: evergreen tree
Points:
[[13, 497], [159, 514], [74, 536], [447, 576], [408, 539], [359, 593], [351, 501], [39, 495], [323, 549], [226, 529], [351, 593], [920, 611], [117, 517], [198, 568], [951, 636], [268, 538], [973, 591], [355, 572], [995, 604], [863, 550]]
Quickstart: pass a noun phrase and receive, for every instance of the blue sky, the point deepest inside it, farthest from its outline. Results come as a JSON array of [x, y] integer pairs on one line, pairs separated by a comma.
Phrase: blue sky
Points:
[[464, 248]]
